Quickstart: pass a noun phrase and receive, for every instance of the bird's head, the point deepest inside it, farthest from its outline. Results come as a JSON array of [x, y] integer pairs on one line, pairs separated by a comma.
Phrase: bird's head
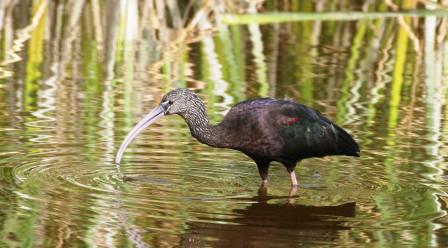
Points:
[[178, 101]]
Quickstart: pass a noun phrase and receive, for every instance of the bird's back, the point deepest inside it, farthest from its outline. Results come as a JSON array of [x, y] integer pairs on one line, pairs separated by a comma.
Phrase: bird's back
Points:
[[283, 130]]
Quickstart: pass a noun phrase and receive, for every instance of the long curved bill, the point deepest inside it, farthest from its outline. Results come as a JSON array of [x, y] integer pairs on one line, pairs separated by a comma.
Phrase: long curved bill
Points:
[[154, 115]]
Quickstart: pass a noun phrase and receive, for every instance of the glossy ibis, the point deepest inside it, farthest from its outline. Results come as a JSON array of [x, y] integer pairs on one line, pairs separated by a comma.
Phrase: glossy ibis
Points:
[[264, 129]]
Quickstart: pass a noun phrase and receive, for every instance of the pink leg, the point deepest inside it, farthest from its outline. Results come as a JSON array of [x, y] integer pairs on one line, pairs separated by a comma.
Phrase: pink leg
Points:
[[292, 194], [292, 174]]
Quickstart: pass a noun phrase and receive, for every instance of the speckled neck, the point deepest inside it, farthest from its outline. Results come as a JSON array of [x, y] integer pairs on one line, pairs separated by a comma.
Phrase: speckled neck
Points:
[[200, 128]]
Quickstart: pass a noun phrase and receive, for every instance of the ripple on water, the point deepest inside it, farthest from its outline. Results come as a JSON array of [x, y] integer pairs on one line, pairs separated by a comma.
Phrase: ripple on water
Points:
[[167, 178]]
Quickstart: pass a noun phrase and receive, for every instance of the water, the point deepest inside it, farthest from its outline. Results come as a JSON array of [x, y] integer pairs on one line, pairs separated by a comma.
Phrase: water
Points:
[[69, 99]]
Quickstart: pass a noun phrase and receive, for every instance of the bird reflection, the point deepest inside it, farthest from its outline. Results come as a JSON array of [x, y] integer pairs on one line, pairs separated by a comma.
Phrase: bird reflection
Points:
[[264, 224]]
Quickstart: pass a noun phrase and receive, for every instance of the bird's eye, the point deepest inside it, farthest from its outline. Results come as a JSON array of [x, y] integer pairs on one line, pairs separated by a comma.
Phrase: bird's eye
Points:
[[170, 102]]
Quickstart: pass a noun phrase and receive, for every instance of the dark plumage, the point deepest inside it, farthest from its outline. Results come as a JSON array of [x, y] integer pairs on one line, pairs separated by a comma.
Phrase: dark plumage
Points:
[[265, 129]]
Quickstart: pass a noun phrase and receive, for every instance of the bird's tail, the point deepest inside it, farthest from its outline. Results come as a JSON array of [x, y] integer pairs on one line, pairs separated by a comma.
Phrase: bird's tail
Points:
[[345, 144]]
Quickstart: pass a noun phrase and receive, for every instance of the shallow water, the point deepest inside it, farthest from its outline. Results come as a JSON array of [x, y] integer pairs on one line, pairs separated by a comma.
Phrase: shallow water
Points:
[[64, 114]]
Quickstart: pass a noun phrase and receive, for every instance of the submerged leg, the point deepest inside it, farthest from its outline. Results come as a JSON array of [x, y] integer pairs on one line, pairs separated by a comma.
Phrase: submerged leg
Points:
[[263, 170], [264, 175], [292, 191], [292, 195], [263, 190]]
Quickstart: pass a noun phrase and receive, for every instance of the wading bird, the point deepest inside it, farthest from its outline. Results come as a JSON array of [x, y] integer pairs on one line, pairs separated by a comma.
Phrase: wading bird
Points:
[[264, 129]]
